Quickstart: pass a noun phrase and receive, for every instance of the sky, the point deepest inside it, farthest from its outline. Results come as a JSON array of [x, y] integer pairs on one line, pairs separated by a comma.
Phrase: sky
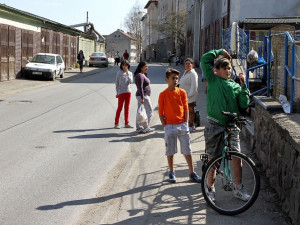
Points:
[[106, 15]]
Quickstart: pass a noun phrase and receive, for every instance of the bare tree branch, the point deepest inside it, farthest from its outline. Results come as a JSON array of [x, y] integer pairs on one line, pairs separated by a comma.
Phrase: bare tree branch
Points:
[[133, 24]]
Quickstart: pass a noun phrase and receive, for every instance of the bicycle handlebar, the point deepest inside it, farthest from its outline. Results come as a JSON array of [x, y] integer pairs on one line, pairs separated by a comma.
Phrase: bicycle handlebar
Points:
[[234, 118]]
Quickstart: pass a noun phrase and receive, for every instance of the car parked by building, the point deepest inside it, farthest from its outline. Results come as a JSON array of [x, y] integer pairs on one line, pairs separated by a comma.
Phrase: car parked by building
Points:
[[98, 59], [45, 65]]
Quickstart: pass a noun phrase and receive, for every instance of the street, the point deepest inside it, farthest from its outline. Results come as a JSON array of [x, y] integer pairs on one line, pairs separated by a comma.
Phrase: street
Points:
[[62, 162]]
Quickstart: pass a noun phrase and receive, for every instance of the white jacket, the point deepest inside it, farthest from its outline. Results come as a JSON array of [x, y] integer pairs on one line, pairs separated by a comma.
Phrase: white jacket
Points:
[[189, 82]]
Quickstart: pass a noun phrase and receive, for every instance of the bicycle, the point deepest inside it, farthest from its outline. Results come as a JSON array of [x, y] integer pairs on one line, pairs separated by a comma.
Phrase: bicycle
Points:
[[219, 169]]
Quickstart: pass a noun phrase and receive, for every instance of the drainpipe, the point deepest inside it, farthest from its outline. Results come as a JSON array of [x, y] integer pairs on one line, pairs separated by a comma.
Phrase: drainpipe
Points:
[[228, 12]]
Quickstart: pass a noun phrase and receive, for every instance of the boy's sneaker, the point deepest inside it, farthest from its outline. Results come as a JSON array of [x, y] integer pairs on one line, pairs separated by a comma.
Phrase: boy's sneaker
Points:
[[148, 130], [117, 126], [128, 126], [211, 194], [239, 192], [172, 178], [195, 178]]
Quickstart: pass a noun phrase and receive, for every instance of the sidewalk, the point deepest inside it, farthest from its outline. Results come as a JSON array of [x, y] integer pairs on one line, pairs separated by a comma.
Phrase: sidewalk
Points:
[[138, 192], [11, 87]]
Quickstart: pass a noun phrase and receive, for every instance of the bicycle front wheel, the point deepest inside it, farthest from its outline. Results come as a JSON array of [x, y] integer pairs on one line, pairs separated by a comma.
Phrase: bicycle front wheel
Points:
[[222, 178]]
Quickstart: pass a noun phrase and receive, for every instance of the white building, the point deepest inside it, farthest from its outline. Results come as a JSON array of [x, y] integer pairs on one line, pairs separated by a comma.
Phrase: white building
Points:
[[121, 41]]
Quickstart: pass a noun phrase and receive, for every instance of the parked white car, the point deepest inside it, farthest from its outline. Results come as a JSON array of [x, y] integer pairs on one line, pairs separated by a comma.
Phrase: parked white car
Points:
[[46, 65]]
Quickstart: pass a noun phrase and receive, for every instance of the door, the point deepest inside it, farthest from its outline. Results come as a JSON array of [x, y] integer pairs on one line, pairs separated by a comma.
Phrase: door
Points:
[[27, 46], [7, 52], [4, 53]]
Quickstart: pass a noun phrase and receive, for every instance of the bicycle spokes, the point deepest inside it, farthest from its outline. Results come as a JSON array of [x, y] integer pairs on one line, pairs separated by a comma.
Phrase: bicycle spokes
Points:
[[223, 175]]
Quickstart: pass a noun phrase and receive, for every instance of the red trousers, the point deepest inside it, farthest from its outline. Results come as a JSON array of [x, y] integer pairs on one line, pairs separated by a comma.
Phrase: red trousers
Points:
[[125, 97]]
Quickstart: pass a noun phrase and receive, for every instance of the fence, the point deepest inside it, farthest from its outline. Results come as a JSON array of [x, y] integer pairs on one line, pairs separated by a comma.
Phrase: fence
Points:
[[280, 54]]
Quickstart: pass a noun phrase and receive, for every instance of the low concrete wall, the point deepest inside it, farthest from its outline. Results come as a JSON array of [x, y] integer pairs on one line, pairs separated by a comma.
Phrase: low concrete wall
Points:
[[277, 145]]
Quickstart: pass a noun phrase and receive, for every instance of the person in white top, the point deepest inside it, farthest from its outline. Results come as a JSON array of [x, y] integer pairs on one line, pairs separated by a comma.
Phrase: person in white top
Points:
[[189, 82]]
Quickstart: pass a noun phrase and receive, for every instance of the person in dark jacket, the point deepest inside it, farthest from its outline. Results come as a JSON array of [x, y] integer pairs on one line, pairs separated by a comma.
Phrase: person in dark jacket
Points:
[[80, 58]]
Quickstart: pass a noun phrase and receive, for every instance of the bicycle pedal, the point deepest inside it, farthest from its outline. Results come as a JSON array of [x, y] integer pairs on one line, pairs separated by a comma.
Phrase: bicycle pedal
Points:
[[204, 157], [228, 187]]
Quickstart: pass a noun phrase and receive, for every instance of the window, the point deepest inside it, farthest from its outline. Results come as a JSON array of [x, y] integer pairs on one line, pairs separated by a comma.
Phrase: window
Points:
[[58, 59]]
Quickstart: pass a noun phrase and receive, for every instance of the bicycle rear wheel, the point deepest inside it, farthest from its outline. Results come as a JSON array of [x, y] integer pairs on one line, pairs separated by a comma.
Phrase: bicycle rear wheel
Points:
[[224, 201]]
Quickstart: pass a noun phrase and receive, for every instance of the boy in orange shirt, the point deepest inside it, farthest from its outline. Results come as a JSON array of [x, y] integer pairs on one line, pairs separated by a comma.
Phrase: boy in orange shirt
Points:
[[174, 116]]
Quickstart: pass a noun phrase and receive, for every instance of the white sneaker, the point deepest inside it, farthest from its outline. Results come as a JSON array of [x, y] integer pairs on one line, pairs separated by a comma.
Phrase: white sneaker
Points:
[[211, 194], [240, 193], [148, 130], [117, 126]]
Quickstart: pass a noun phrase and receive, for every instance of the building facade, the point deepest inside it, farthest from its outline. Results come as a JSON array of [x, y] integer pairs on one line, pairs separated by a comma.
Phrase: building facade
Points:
[[215, 16], [121, 41], [160, 42], [150, 34]]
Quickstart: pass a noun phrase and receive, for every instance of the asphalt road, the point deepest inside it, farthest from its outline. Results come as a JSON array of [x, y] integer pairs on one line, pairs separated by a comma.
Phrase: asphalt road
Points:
[[61, 161], [58, 145]]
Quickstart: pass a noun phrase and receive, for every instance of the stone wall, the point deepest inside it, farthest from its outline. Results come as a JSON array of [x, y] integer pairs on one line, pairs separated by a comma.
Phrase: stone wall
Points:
[[277, 145]]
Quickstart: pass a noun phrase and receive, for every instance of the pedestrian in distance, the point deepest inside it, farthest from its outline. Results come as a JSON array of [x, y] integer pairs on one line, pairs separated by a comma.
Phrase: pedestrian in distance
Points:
[[189, 82], [124, 80], [177, 60], [80, 58], [223, 94], [125, 55], [174, 115], [143, 93], [117, 58], [170, 58]]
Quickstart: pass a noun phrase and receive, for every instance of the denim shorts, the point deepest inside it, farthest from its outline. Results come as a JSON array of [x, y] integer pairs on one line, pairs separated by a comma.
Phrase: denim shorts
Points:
[[180, 132], [214, 138]]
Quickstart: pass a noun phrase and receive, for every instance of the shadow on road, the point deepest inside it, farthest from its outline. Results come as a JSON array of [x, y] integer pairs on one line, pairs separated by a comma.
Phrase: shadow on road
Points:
[[170, 201]]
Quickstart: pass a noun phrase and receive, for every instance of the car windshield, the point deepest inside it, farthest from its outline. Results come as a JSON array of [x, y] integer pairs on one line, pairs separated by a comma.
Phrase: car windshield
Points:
[[48, 59], [98, 54]]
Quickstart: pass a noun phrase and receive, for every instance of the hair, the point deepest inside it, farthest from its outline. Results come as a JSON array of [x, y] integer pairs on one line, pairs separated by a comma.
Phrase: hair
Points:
[[124, 62], [190, 60], [170, 71], [139, 67], [221, 62]]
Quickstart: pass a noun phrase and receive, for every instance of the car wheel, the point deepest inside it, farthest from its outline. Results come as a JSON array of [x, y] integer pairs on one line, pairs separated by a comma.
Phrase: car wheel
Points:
[[90, 65], [54, 76], [62, 74], [106, 65]]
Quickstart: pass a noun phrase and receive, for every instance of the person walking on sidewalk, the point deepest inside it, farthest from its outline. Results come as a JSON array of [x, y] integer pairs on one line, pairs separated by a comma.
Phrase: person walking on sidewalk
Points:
[[189, 82], [125, 55], [80, 58], [223, 94], [143, 94], [123, 88], [174, 115], [117, 58]]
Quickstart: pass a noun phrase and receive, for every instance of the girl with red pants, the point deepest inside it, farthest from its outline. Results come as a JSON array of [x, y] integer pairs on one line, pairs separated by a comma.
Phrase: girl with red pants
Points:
[[123, 80]]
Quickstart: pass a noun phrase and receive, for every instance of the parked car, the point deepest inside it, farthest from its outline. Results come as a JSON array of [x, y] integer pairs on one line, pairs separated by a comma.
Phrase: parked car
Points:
[[45, 65], [98, 59]]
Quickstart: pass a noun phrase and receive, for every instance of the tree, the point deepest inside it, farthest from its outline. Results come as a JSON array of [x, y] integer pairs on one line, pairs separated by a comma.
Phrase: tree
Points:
[[173, 26], [133, 24]]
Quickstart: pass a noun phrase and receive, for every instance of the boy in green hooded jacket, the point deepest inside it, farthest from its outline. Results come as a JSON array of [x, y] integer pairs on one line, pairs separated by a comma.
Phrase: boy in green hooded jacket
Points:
[[223, 94]]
